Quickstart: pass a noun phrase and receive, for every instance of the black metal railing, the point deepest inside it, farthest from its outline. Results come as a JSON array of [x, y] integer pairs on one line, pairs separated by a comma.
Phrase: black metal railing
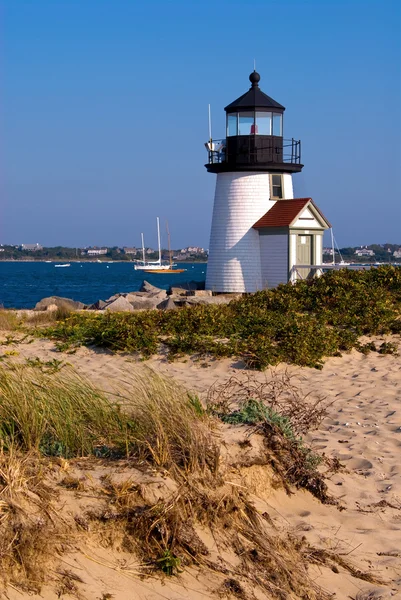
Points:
[[254, 150]]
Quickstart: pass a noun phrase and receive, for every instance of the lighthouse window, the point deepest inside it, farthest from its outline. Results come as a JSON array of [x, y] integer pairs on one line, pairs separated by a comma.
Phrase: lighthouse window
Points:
[[263, 123], [232, 125], [246, 123], [276, 186], [277, 124]]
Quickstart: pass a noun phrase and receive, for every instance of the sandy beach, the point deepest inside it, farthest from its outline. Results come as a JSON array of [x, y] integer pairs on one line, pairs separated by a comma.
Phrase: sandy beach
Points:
[[362, 430]]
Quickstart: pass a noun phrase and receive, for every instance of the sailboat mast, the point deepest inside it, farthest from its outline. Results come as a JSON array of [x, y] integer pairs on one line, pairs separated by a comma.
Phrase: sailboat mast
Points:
[[143, 248], [158, 240], [332, 246], [169, 247]]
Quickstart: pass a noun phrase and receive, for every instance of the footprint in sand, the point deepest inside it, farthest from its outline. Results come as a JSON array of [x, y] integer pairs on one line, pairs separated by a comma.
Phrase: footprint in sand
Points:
[[359, 463]]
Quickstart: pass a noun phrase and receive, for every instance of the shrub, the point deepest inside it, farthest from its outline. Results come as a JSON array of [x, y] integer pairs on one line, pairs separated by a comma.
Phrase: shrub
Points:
[[298, 324]]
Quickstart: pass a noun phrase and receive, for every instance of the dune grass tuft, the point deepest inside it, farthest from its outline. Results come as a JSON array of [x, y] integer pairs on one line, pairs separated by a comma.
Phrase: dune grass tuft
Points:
[[28, 526], [61, 414], [8, 320]]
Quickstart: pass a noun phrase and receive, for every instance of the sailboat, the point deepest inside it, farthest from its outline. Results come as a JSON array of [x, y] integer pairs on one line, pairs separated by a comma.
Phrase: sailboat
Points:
[[342, 261], [157, 266]]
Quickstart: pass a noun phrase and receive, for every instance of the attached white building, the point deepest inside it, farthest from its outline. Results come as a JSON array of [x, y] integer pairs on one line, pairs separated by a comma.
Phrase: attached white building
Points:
[[290, 233], [259, 231]]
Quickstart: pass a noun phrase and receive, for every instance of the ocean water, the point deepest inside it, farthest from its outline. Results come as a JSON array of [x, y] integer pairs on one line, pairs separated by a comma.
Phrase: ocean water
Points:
[[22, 284]]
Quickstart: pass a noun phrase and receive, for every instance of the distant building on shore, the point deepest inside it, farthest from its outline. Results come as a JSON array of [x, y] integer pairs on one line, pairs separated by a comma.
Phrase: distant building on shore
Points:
[[192, 250], [259, 230], [96, 251], [31, 247], [130, 250], [363, 251]]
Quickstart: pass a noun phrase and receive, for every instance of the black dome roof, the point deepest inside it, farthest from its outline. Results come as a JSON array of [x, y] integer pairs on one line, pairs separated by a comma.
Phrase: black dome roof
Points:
[[254, 98]]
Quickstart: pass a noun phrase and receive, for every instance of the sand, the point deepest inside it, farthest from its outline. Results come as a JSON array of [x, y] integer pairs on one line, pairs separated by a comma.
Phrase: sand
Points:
[[362, 430]]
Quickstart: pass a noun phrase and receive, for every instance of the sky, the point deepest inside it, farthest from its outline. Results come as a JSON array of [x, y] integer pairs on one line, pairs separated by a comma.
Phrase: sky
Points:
[[104, 112]]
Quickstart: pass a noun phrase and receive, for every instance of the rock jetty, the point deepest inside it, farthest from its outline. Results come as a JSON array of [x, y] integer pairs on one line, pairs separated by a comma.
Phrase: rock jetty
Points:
[[149, 297]]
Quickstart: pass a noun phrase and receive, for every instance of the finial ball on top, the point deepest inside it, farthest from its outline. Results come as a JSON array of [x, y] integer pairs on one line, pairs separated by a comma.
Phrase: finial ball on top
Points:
[[254, 78]]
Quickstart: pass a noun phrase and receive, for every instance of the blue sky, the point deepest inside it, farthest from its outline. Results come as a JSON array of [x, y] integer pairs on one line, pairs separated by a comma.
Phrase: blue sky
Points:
[[103, 112]]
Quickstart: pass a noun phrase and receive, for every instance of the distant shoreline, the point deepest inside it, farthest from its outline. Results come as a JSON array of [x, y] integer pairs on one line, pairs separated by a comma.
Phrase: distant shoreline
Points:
[[65, 260]]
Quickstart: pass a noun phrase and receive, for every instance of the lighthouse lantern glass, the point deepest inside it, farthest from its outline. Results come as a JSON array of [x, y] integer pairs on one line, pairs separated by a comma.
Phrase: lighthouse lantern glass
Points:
[[263, 123], [246, 123], [277, 124], [232, 124]]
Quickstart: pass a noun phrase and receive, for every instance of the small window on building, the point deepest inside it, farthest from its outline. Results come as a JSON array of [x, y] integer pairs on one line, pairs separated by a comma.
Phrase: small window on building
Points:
[[276, 186]]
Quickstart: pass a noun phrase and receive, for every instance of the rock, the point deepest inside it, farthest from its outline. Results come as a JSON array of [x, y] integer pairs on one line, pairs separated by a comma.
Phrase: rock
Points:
[[144, 304], [59, 302], [181, 288], [148, 287], [177, 291], [220, 299], [145, 300], [99, 305], [51, 308], [199, 293], [119, 305], [114, 297], [168, 304], [134, 296]]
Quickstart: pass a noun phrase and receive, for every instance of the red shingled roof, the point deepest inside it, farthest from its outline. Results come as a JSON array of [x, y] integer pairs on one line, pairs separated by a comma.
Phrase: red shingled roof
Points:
[[284, 212]]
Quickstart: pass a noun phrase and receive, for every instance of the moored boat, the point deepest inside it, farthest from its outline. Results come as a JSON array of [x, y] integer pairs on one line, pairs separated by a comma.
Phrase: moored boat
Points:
[[157, 266]]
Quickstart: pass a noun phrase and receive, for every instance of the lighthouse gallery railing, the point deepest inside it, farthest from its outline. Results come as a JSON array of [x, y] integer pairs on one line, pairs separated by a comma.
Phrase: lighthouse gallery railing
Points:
[[255, 150]]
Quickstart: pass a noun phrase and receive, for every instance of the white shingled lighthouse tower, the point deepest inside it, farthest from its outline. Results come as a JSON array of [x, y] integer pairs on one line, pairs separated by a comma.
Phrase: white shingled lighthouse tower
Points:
[[254, 167]]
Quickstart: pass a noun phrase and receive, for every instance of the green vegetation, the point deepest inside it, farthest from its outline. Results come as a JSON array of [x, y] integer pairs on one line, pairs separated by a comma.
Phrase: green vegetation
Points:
[[298, 324], [169, 563], [253, 412]]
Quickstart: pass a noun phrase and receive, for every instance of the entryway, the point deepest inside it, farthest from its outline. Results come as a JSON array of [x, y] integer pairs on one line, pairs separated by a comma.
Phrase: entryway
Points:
[[304, 254]]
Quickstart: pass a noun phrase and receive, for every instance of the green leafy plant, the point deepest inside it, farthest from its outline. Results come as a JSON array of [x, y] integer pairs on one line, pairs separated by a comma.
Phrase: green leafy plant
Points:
[[169, 563], [388, 348], [50, 366]]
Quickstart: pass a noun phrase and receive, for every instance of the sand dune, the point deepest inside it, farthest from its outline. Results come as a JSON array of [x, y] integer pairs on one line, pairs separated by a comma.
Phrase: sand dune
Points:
[[362, 430]]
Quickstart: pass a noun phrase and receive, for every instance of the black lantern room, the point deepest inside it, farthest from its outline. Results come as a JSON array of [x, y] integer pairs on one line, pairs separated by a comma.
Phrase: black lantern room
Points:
[[254, 136]]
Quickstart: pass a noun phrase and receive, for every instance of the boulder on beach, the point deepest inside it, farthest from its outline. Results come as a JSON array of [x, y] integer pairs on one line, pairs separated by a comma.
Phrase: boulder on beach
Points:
[[118, 305], [168, 304], [59, 302], [146, 300], [220, 299], [99, 305], [186, 286], [148, 287]]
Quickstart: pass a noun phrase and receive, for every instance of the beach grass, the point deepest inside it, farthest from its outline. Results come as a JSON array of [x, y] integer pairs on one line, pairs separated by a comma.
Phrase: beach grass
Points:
[[8, 320], [58, 413]]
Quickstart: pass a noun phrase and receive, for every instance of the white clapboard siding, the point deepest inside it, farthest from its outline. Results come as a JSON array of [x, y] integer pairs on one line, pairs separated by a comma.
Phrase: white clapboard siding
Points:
[[274, 256], [240, 200]]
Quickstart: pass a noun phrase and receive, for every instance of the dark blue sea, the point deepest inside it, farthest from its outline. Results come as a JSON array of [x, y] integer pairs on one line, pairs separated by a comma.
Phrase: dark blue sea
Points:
[[23, 284]]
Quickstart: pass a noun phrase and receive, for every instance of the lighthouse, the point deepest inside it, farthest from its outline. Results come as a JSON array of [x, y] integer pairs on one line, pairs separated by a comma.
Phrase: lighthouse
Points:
[[252, 246]]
